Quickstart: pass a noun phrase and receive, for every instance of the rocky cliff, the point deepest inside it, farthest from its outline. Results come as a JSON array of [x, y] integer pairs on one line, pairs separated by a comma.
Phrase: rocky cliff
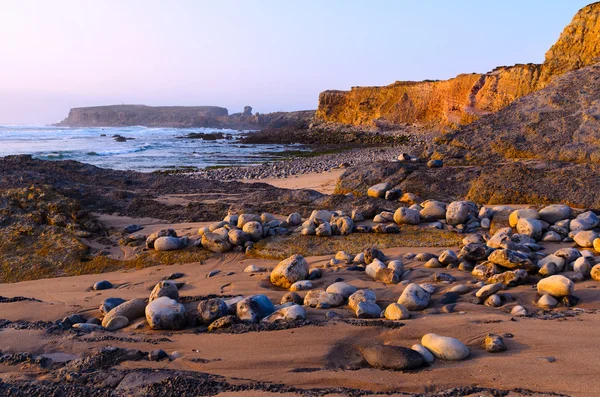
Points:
[[465, 98], [180, 117]]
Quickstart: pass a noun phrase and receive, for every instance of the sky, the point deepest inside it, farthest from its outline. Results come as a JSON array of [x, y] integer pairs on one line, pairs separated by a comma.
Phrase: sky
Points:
[[270, 54]]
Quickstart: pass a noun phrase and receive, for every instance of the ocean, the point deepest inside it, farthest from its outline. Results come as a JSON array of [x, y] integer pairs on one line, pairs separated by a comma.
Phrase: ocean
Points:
[[151, 149]]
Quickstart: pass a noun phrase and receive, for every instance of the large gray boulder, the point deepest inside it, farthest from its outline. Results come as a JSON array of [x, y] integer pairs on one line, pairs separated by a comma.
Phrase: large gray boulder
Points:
[[554, 213], [458, 212], [586, 221], [216, 242], [211, 309], [169, 243], [166, 313], [254, 308], [407, 216], [289, 270], [165, 288], [414, 297]]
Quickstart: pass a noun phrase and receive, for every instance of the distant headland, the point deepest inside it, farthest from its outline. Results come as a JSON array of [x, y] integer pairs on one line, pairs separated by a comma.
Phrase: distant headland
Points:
[[180, 117]]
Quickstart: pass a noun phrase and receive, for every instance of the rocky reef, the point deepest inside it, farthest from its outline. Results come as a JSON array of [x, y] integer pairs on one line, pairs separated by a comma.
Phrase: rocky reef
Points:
[[467, 97], [180, 117]]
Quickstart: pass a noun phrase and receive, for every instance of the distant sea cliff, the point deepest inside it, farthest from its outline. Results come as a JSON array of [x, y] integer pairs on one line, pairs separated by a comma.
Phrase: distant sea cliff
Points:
[[181, 117]]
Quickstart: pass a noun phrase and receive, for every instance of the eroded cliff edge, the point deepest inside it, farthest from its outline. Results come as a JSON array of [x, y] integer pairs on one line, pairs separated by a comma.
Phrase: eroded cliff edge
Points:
[[467, 97]]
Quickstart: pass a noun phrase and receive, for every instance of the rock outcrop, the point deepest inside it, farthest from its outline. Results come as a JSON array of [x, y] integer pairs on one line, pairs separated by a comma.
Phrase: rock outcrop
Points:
[[181, 117], [467, 97]]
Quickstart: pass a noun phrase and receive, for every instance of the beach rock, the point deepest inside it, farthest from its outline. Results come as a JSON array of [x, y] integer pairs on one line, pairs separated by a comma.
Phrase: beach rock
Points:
[[530, 227], [433, 212], [445, 348], [238, 237], [254, 308], [102, 285], [558, 286], [211, 309], [161, 233], [223, 322], [378, 191], [557, 260], [526, 213], [88, 327], [569, 254], [166, 313], [435, 163], [583, 265], [324, 215], [323, 230], [585, 238], [428, 287], [164, 288], [301, 285], [372, 268], [547, 302], [548, 269], [493, 301], [458, 212], [289, 313], [367, 310], [414, 297], [362, 295], [488, 290], [595, 272], [427, 356], [290, 270], [294, 219], [393, 194], [448, 257], [433, 263], [406, 216], [554, 213], [245, 218], [232, 219], [494, 343], [344, 224], [391, 357], [253, 229], [397, 266], [253, 269], [371, 254], [424, 256], [110, 303], [344, 257], [551, 237], [585, 221], [518, 311], [342, 288], [395, 311], [216, 242], [116, 323], [512, 260], [169, 243], [131, 309], [322, 299], [509, 278], [292, 297]]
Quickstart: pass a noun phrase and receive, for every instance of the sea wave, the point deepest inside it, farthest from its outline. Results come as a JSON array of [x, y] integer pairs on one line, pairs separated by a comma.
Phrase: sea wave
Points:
[[120, 151]]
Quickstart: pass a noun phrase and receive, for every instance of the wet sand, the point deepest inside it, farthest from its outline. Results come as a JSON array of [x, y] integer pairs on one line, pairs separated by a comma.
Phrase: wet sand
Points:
[[558, 354]]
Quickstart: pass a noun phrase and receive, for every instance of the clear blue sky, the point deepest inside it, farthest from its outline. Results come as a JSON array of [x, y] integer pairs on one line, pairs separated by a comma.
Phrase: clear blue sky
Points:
[[270, 54]]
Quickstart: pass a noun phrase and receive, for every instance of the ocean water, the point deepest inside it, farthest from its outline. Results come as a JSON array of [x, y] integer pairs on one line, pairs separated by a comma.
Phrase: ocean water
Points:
[[151, 149]]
